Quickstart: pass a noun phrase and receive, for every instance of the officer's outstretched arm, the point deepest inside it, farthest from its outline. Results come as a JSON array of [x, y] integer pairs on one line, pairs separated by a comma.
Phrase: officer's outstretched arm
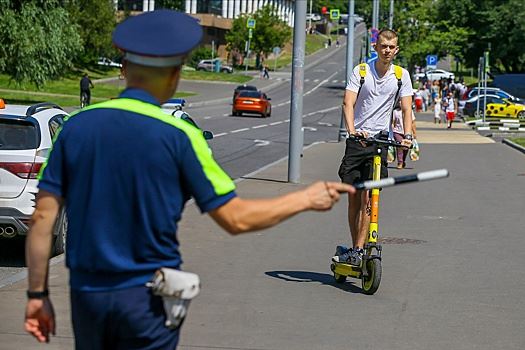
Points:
[[245, 215]]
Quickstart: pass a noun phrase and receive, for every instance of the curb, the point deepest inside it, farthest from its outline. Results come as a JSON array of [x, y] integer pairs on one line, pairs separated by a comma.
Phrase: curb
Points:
[[513, 145]]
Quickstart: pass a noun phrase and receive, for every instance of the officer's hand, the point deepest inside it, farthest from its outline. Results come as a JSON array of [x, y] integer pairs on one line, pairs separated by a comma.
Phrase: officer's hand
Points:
[[40, 319], [322, 195]]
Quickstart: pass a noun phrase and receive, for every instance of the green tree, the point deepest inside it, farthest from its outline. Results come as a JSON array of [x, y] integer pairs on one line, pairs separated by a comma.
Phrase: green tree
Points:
[[269, 32], [39, 40], [95, 20]]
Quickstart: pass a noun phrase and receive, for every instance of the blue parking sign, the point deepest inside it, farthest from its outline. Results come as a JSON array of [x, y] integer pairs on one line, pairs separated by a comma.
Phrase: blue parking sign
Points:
[[432, 61]]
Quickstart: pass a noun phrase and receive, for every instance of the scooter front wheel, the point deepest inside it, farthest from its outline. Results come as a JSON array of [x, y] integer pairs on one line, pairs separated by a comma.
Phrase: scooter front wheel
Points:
[[370, 283]]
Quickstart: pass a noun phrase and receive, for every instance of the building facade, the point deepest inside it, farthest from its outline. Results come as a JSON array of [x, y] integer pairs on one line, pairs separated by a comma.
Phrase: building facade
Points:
[[231, 9]]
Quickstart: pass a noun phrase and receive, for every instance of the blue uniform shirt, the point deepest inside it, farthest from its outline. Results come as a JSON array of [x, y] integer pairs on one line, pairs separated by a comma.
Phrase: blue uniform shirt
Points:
[[125, 177]]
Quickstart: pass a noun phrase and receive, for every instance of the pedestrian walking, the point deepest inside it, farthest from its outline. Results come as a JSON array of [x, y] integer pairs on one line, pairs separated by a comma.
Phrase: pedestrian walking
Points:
[[123, 202], [266, 72], [437, 109], [450, 108], [370, 97]]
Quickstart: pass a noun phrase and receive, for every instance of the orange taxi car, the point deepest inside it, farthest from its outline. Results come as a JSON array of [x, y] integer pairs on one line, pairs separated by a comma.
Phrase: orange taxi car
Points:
[[255, 102]]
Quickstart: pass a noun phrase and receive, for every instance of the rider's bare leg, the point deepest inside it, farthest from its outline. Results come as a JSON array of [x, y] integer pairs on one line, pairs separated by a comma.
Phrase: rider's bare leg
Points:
[[358, 217]]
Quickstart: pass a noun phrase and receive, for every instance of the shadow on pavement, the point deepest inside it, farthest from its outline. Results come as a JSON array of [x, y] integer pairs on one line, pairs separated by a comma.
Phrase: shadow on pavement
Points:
[[12, 252], [308, 276]]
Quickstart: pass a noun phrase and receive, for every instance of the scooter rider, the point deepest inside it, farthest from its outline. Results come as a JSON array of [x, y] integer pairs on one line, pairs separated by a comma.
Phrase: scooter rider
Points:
[[369, 100]]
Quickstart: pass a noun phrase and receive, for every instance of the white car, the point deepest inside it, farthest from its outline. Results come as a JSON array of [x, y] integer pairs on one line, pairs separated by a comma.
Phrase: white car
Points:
[[210, 66], [26, 134], [435, 74], [104, 61], [174, 107]]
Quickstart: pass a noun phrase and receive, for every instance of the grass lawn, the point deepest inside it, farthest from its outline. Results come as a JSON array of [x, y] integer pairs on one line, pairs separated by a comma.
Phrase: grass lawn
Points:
[[65, 91], [212, 76], [518, 140]]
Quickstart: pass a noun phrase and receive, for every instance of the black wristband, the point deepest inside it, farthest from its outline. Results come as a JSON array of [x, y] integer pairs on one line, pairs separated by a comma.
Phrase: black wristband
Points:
[[408, 137], [37, 295]]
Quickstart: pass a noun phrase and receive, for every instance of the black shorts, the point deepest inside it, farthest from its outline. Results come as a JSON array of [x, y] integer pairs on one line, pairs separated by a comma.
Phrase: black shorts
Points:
[[358, 161]]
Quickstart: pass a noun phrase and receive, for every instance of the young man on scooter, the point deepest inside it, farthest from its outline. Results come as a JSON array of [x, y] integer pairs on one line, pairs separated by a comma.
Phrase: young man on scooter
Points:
[[371, 93]]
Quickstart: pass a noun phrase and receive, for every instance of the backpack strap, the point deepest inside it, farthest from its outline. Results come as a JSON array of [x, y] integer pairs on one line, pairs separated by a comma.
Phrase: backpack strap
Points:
[[398, 71], [362, 74]]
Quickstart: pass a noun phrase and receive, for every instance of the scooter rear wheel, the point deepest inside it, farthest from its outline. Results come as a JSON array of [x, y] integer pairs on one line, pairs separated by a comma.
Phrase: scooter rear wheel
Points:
[[371, 282], [337, 277]]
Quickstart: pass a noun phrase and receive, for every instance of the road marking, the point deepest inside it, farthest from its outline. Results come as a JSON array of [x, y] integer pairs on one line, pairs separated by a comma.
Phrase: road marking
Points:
[[239, 130], [226, 114], [309, 128], [259, 126], [318, 85], [221, 134], [276, 123], [325, 124], [207, 117], [335, 81], [316, 80], [261, 143]]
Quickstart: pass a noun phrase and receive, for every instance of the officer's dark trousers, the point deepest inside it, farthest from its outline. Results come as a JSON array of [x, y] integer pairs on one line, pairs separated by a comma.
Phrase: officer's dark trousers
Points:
[[130, 318]]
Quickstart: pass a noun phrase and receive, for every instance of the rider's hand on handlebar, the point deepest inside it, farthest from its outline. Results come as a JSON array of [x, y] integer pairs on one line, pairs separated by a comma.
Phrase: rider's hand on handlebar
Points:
[[360, 134]]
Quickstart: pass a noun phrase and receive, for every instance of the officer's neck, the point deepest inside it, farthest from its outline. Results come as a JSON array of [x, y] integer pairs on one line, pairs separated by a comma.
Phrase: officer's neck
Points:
[[382, 67]]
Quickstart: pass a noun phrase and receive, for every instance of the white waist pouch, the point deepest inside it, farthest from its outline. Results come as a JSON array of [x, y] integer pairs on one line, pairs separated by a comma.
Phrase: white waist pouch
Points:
[[177, 289]]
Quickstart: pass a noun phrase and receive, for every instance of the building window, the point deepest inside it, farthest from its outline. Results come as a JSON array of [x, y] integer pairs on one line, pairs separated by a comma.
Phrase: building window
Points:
[[210, 6]]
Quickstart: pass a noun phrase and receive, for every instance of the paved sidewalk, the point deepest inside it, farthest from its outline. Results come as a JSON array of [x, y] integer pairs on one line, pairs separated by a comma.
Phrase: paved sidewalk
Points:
[[199, 234]]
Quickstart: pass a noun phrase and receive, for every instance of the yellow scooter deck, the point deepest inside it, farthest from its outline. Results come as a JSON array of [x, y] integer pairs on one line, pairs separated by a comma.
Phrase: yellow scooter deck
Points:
[[347, 270]]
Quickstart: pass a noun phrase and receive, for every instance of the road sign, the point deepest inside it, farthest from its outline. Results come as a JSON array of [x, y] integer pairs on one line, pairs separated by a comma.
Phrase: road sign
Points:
[[372, 57], [335, 14], [250, 23], [373, 35], [250, 33], [276, 50], [432, 61]]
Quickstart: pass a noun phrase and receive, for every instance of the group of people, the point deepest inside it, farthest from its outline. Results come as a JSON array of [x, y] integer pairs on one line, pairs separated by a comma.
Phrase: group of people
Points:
[[122, 227], [441, 95]]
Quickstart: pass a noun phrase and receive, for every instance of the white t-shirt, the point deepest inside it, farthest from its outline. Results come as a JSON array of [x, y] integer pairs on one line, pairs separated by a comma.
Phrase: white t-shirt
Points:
[[397, 121], [373, 108], [451, 107]]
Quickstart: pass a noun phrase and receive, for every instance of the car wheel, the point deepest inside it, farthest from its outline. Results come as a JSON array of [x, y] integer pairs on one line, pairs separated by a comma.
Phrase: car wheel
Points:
[[521, 115], [269, 113]]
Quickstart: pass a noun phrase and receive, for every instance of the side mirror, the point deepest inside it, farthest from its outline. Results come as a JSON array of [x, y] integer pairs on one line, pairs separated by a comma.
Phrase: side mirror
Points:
[[208, 135]]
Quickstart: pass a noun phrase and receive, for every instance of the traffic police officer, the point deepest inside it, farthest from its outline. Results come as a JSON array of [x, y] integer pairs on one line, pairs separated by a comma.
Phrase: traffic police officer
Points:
[[124, 171]]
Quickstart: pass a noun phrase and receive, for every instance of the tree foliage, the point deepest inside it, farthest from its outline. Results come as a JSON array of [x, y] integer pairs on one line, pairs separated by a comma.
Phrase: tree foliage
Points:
[[39, 40], [95, 21], [269, 32]]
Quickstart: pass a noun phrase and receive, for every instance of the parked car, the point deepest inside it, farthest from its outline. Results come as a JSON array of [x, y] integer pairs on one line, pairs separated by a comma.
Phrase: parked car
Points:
[[505, 108], [245, 88], [492, 91], [174, 107], [26, 134], [469, 107], [435, 74], [252, 102], [213, 66], [314, 17], [104, 61]]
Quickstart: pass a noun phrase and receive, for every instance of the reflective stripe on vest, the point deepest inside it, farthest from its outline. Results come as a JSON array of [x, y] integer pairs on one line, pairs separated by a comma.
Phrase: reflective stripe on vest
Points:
[[220, 181]]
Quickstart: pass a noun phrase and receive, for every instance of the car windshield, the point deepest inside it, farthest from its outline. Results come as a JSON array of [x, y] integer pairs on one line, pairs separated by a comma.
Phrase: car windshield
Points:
[[17, 135], [247, 87], [252, 94]]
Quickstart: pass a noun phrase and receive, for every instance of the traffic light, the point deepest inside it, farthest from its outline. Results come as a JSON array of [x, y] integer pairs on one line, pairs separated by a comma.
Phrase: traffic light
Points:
[[324, 10]]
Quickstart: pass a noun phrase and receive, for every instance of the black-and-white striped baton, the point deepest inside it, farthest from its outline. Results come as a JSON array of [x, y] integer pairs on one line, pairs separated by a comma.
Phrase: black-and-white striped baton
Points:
[[392, 181]]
